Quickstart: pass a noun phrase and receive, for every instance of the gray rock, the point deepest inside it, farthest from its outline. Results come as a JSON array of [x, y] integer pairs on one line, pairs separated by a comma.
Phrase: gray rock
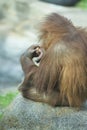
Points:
[[14, 10], [24, 114], [12, 46], [38, 10]]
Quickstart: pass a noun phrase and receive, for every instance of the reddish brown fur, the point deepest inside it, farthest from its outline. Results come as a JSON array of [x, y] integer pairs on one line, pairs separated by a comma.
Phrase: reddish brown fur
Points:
[[61, 78]]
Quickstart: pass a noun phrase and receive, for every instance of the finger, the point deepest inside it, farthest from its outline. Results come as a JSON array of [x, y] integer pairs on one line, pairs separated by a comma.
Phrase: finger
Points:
[[34, 47], [37, 59]]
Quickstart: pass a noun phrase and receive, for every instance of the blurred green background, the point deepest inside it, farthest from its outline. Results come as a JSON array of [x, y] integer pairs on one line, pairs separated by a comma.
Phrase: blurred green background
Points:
[[82, 4]]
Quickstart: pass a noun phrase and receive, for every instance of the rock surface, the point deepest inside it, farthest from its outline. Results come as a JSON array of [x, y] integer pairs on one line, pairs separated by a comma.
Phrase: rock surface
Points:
[[24, 114]]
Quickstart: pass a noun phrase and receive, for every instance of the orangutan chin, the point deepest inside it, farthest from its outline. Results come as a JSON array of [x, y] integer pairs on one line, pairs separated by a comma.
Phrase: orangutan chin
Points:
[[61, 77]]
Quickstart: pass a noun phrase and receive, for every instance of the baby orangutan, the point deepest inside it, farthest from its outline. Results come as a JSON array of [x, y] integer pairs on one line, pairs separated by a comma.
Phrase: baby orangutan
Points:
[[61, 77]]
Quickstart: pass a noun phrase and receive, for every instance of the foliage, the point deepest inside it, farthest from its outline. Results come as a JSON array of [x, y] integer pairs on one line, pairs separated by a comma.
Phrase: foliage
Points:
[[82, 4], [5, 100]]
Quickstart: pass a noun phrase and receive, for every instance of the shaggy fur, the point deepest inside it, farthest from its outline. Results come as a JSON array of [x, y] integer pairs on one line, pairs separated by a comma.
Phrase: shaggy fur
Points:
[[61, 78]]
